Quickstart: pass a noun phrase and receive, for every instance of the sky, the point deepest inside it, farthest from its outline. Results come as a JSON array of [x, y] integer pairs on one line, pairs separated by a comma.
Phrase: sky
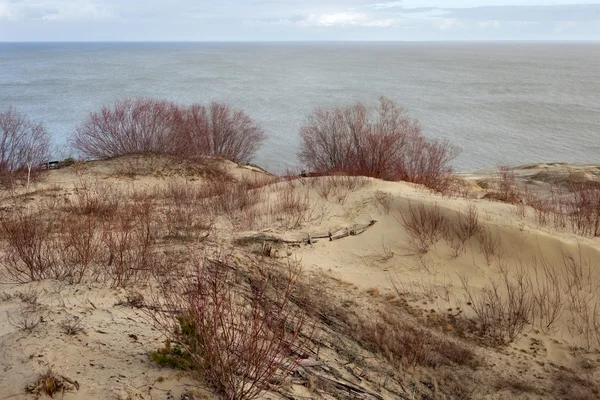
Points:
[[298, 20]]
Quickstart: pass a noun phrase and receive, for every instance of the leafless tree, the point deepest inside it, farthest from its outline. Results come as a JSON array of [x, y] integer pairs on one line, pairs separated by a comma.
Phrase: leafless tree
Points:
[[157, 126], [23, 144], [129, 127], [383, 143], [217, 130]]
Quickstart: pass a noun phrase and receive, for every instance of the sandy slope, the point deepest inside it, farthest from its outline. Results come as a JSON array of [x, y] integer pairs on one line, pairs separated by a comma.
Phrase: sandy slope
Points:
[[110, 359]]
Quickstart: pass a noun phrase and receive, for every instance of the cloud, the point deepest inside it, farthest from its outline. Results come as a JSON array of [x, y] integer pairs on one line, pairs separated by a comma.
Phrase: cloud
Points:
[[6, 11], [383, 6], [298, 19], [340, 19], [489, 24], [447, 23], [562, 26], [77, 12], [56, 10]]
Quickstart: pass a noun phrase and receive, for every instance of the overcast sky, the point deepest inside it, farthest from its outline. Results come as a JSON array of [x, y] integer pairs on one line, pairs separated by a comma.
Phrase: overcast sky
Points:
[[281, 20]]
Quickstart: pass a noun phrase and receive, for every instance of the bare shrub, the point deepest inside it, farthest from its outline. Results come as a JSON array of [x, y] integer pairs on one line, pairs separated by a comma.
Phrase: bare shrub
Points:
[[82, 246], [507, 191], [547, 293], [385, 200], [489, 244], [503, 309], [25, 318], [293, 207], [146, 126], [382, 143], [582, 284], [129, 127], [24, 146], [467, 223], [217, 130], [30, 253], [130, 244], [425, 226], [542, 210], [239, 336], [583, 209], [72, 325], [93, 197]]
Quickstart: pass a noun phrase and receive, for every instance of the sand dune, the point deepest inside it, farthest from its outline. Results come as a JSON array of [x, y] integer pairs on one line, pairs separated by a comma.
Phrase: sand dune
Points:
[[371, 275]]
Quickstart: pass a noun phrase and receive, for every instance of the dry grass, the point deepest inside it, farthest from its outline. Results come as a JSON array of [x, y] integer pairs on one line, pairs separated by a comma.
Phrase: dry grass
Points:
[[406, 344], [338, 187], [568, 385], [50, 383]]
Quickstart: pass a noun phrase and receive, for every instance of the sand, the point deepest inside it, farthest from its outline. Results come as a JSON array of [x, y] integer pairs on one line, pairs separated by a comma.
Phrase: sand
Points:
[[110, 359]]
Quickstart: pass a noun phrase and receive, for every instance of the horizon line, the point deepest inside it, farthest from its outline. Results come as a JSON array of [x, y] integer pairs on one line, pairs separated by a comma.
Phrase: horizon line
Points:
[[315, 41]]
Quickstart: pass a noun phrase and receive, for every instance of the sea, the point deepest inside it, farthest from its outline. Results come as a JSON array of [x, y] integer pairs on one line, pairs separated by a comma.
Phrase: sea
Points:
[[500, 102]]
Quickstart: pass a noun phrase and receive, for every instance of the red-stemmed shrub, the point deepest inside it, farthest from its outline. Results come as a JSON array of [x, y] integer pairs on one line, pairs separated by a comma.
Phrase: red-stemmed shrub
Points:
[[382, 143]]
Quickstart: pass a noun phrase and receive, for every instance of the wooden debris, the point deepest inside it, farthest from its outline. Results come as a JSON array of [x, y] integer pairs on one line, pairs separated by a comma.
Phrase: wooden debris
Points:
[[309, 239]]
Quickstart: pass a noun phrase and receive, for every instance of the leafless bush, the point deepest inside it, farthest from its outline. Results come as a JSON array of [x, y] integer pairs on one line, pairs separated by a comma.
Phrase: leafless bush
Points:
[[382, 143], [548, 297], [425, 226], [30, 253], [92, 197], [489, 244], [25, 318], [82, 247], [240, 336], [503, 309], [23, 146], [130, 246], [581, 289], [29, 296], [507, 191], [129, 127], [293, 207], [217, 130], [583, 209], [542, 210], [146, 126], [72, 325], [467, 223], [385, 200]]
